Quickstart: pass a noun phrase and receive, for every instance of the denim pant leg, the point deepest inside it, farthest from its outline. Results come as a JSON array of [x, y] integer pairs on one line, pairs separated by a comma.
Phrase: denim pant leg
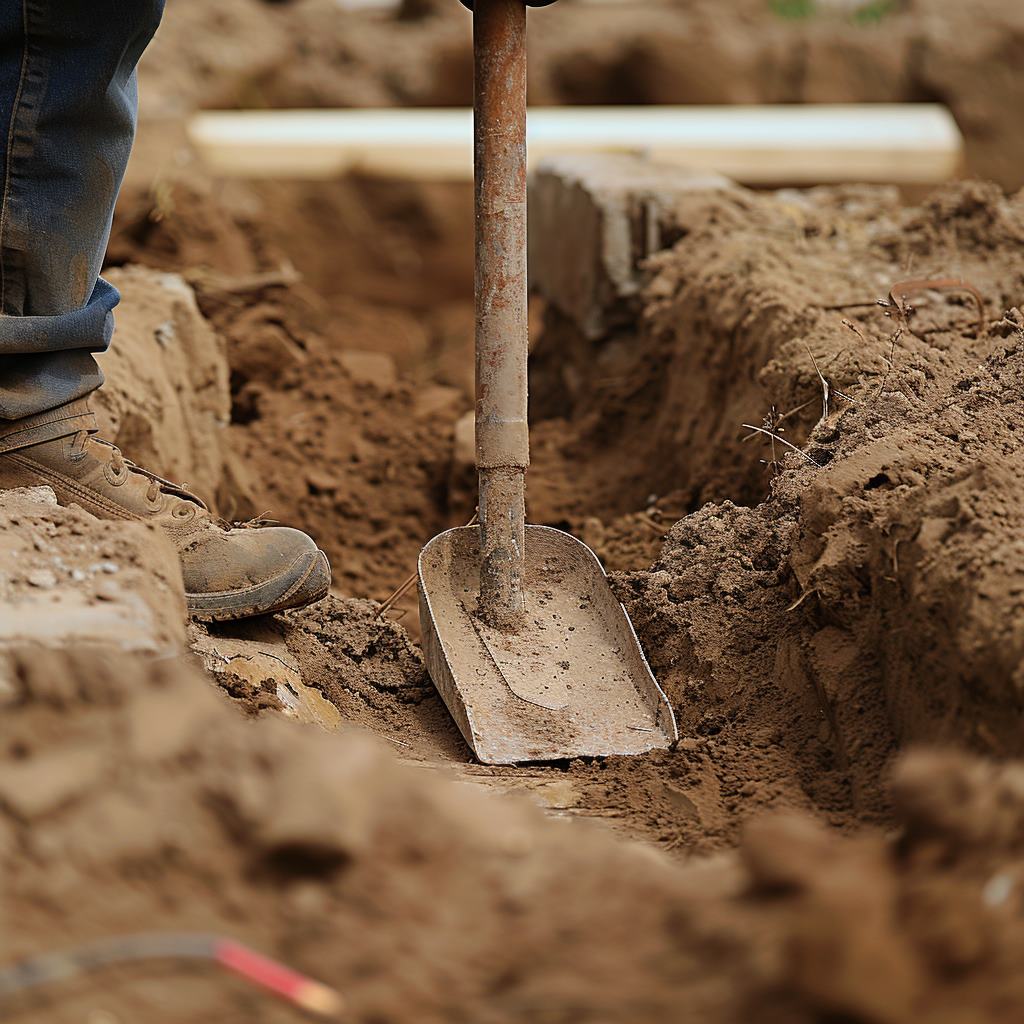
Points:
[[67, 119]]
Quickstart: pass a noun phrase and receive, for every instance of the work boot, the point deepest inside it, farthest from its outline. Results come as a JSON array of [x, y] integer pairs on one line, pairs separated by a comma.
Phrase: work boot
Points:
[[230, 572]]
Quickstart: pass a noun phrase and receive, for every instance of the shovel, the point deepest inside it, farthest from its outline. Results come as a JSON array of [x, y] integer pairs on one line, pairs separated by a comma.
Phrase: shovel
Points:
[[523, 638]]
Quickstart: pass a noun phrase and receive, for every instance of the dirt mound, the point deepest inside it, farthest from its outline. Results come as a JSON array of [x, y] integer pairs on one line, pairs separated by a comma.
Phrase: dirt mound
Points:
[[144, 802], [726, 330], [367, 667], [873, 600], [138, 800], [361, 664], [166, 398], [346, 375], [68, 579], [918, 929]]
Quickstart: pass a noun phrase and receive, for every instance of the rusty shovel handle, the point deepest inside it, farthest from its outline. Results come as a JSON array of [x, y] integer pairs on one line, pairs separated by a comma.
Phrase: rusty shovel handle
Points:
[[502, 433]]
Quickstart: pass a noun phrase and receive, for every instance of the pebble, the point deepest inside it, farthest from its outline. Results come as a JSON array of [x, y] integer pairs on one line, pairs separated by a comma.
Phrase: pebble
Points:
[[42, 578], [164, 333], [997, 890]]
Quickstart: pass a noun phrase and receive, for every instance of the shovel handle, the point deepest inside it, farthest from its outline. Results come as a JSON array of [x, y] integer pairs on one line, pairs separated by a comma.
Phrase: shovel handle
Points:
[[502, 434]]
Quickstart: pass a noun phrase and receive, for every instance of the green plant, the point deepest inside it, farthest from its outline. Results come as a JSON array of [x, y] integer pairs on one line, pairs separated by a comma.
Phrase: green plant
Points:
[[869, 13], [793, 8]]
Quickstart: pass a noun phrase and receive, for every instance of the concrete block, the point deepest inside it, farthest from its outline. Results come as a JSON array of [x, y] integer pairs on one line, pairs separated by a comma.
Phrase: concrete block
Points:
[[594, 219]]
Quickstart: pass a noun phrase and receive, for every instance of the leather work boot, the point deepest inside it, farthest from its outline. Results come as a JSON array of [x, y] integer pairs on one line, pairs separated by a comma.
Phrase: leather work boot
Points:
[[230, 572]]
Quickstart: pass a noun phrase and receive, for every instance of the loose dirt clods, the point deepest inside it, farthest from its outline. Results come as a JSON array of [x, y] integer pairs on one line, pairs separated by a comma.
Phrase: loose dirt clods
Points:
[[163, 805]]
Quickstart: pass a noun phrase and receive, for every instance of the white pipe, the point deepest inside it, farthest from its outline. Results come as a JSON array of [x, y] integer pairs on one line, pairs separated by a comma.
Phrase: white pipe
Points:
[[798, 144]]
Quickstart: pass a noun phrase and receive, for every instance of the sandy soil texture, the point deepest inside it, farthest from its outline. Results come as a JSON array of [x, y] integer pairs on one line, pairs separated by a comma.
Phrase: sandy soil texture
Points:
[[834, 603], [139, 799]]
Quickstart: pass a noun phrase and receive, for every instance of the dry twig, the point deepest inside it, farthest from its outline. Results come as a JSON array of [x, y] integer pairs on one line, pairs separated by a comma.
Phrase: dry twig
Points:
[[776, 436], [800, 600], [899, 292], [889, 361], [407, 583]]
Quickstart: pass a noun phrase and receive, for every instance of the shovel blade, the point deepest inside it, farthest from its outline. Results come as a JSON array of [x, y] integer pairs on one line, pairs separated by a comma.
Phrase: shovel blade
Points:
[[572, 683]]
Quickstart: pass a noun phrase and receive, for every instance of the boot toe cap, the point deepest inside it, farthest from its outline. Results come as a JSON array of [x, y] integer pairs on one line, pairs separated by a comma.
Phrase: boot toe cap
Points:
[[254, 572]]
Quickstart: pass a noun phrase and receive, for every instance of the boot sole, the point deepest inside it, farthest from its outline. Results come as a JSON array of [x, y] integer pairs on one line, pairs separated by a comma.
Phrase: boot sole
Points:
[[307, 580]]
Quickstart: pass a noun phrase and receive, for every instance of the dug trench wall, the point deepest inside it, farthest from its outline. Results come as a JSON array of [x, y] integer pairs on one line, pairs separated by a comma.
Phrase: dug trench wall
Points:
[[863, 593]]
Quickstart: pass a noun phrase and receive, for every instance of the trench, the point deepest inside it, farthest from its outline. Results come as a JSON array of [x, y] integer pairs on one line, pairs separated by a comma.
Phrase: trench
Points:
[[381, 273], [346, 311]]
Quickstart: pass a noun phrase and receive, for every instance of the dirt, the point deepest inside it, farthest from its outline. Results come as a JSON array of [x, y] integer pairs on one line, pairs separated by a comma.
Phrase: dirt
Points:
[[797, 707], [756, 284], [871, 601], [140, 797], [323, 423], [301, 352], [163, 804], [69, 580], [349, 374], [165, 397]]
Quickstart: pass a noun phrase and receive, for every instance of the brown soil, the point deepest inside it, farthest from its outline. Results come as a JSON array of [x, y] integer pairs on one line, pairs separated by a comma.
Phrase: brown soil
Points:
[[326, 434], [798, 707], [811, 616], [69, 580], [138, 797], [872, 601], [801, 708]]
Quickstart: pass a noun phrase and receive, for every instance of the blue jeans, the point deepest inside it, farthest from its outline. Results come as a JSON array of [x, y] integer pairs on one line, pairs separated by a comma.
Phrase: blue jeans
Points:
[[67, 120]]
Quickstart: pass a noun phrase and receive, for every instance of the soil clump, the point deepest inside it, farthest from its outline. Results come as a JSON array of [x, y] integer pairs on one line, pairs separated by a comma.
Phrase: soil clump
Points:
[[67, 579], [140, 801]]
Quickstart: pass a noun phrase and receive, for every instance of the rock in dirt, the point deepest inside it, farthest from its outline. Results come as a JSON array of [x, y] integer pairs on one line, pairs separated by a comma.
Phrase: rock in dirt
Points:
[[252, 663], [594, 219], [68, 579]]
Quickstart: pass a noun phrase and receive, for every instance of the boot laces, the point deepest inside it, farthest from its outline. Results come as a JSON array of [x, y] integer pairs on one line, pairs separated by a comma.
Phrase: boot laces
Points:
[[157, 484]]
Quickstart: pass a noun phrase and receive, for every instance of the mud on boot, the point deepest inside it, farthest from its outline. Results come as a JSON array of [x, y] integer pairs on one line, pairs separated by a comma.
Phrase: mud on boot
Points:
[[230, 572]]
